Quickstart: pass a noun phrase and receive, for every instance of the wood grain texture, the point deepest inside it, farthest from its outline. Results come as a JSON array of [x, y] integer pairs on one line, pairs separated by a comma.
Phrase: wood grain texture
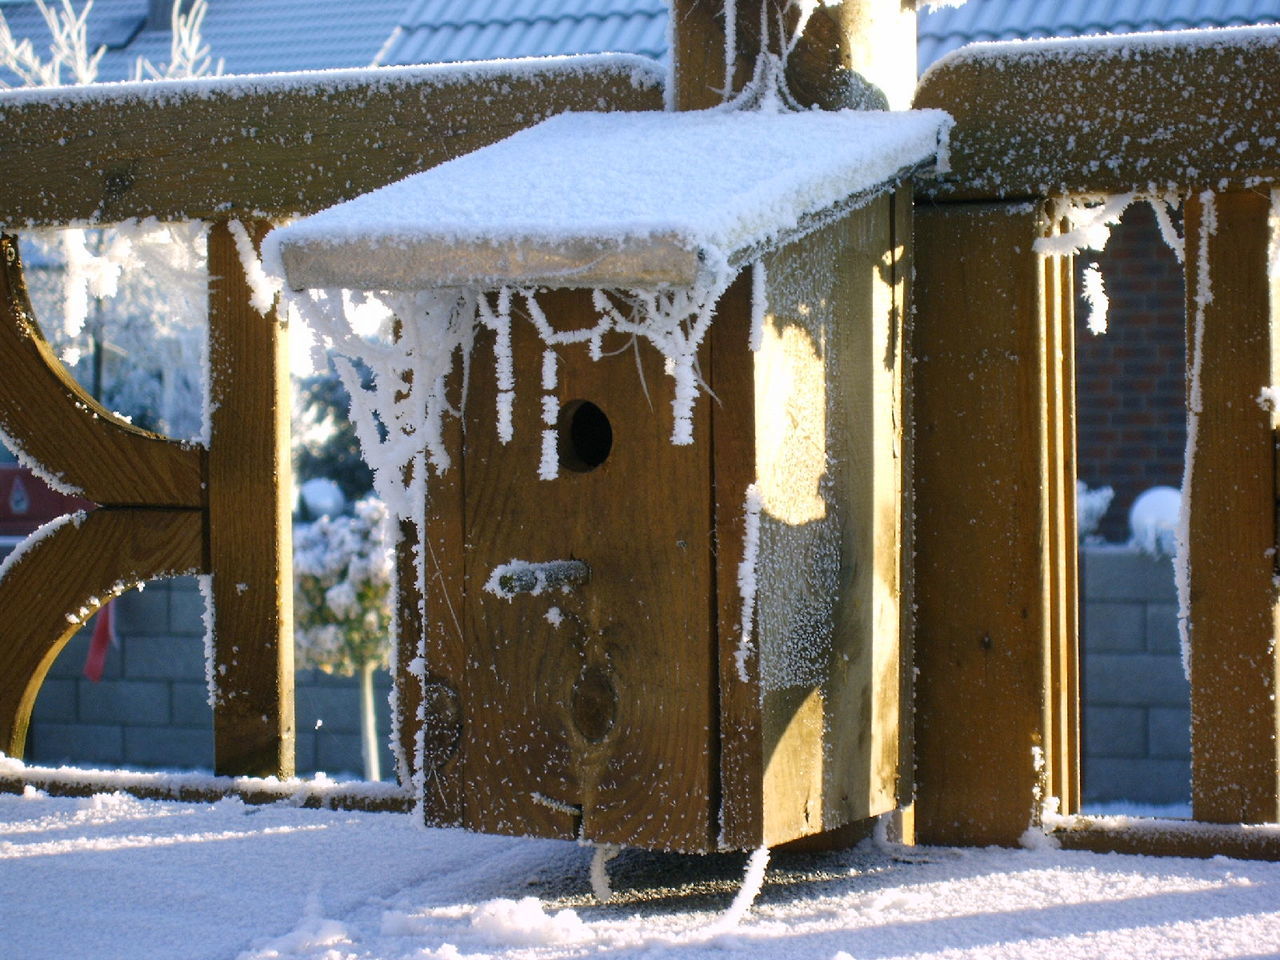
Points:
[[273, 147], [249, 523], [1235, 772], [52, 420], [611, 710], [446, 646], [55, 586], [1031, 122], [984, 622]]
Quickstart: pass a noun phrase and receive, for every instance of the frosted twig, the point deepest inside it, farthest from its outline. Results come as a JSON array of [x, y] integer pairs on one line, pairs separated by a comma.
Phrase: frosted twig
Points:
[[752, 882], [600, 858]]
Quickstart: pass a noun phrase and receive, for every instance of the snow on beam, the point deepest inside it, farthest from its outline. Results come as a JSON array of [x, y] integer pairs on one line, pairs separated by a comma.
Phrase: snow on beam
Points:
[[1109, 114], [616, 200]]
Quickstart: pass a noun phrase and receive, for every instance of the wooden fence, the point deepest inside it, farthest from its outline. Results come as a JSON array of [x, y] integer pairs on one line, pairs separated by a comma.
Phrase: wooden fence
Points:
[[996, 700]]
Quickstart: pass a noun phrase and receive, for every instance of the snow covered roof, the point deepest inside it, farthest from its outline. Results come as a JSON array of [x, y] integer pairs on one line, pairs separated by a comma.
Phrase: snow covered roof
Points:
[[610, 200], [944, 29], [259, 36], [452, 30]]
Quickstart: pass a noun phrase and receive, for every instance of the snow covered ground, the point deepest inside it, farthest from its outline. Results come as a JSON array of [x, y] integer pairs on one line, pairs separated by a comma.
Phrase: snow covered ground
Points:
[[116, 877]]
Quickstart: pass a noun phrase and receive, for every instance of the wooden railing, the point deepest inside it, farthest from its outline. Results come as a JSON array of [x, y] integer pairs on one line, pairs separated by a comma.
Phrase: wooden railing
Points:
[[997, 696], [258, 150]]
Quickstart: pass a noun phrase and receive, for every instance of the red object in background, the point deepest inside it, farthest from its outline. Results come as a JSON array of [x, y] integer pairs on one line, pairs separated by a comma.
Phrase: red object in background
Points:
[[104, 638], [26, 502]]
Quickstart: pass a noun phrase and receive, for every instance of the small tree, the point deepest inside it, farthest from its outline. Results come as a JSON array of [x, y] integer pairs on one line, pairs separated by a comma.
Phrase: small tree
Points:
[[342, 610]]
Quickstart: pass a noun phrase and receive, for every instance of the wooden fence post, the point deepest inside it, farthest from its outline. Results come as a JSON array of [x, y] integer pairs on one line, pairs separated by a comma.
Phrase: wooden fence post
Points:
[[250, 536], [994, 534], [1232, 354]]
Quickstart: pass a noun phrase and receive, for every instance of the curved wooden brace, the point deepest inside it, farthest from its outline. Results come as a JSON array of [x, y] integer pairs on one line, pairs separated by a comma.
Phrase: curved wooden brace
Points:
[[1107, 115], [80, 562], [53, 421]]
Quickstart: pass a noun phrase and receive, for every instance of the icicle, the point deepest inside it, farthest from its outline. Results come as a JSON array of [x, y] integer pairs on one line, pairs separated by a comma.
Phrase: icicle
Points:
[[1195, 404], [759, 304], [1161, 207], [747, 580], [1095, 296], [1091, 220], [263, 290]]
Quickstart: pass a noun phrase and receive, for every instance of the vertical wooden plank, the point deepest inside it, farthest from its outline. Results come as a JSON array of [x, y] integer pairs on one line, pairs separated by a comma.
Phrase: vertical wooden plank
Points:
[[1062, 702], [902, 243], [445, 645], [828, 465], [250, 537], [1231, 492], [983, 622], [732, 378]]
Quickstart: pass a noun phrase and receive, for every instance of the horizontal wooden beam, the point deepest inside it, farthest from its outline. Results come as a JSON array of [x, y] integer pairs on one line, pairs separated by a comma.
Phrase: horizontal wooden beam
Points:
[[278, 145], [1168, 838], [1108, 115], [199, 788]]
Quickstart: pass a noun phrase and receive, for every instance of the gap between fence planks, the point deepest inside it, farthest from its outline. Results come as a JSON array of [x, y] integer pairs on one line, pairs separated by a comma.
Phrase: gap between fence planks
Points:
[[1234, 622]]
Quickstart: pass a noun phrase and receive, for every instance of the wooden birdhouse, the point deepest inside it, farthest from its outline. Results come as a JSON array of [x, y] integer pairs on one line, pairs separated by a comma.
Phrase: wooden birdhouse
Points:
[[656, 591]]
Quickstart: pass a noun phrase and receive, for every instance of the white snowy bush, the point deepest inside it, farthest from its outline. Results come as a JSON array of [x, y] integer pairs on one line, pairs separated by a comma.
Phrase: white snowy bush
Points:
[[342, 606]]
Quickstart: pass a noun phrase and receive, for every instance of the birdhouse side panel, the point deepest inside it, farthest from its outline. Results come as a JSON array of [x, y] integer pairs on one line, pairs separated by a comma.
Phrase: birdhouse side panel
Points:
[[828, 461]]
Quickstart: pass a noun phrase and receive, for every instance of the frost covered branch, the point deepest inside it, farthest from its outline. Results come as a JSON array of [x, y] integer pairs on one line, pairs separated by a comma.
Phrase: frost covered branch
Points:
[[68, 48], [189, 55]]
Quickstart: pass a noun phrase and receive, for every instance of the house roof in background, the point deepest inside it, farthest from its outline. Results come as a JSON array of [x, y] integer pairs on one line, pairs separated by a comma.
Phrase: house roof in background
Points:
[[260, 36], [453, 30], [252, 36], [943, 30]]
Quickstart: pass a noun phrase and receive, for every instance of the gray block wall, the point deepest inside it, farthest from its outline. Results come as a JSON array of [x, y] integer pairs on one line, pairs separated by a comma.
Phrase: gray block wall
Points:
[[1136, 712], [151, 710]]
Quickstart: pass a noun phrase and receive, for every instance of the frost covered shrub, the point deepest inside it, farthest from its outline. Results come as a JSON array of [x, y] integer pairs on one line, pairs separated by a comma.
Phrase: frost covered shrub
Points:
[[342, 595]]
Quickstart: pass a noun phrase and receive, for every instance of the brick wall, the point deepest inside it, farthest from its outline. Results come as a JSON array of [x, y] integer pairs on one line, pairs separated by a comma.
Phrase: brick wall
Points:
[[1136, 712], [150, 708], [1130, 410]]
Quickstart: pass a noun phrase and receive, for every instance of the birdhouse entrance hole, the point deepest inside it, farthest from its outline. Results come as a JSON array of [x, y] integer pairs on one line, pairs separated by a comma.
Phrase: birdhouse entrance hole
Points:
[[585, 436]]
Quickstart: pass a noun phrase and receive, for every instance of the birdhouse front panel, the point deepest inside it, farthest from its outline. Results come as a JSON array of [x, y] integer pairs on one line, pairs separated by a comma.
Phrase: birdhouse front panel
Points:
[[585, 638]]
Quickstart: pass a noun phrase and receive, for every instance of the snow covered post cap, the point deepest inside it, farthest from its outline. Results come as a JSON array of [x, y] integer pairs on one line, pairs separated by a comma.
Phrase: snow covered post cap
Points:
[[611, 200]]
